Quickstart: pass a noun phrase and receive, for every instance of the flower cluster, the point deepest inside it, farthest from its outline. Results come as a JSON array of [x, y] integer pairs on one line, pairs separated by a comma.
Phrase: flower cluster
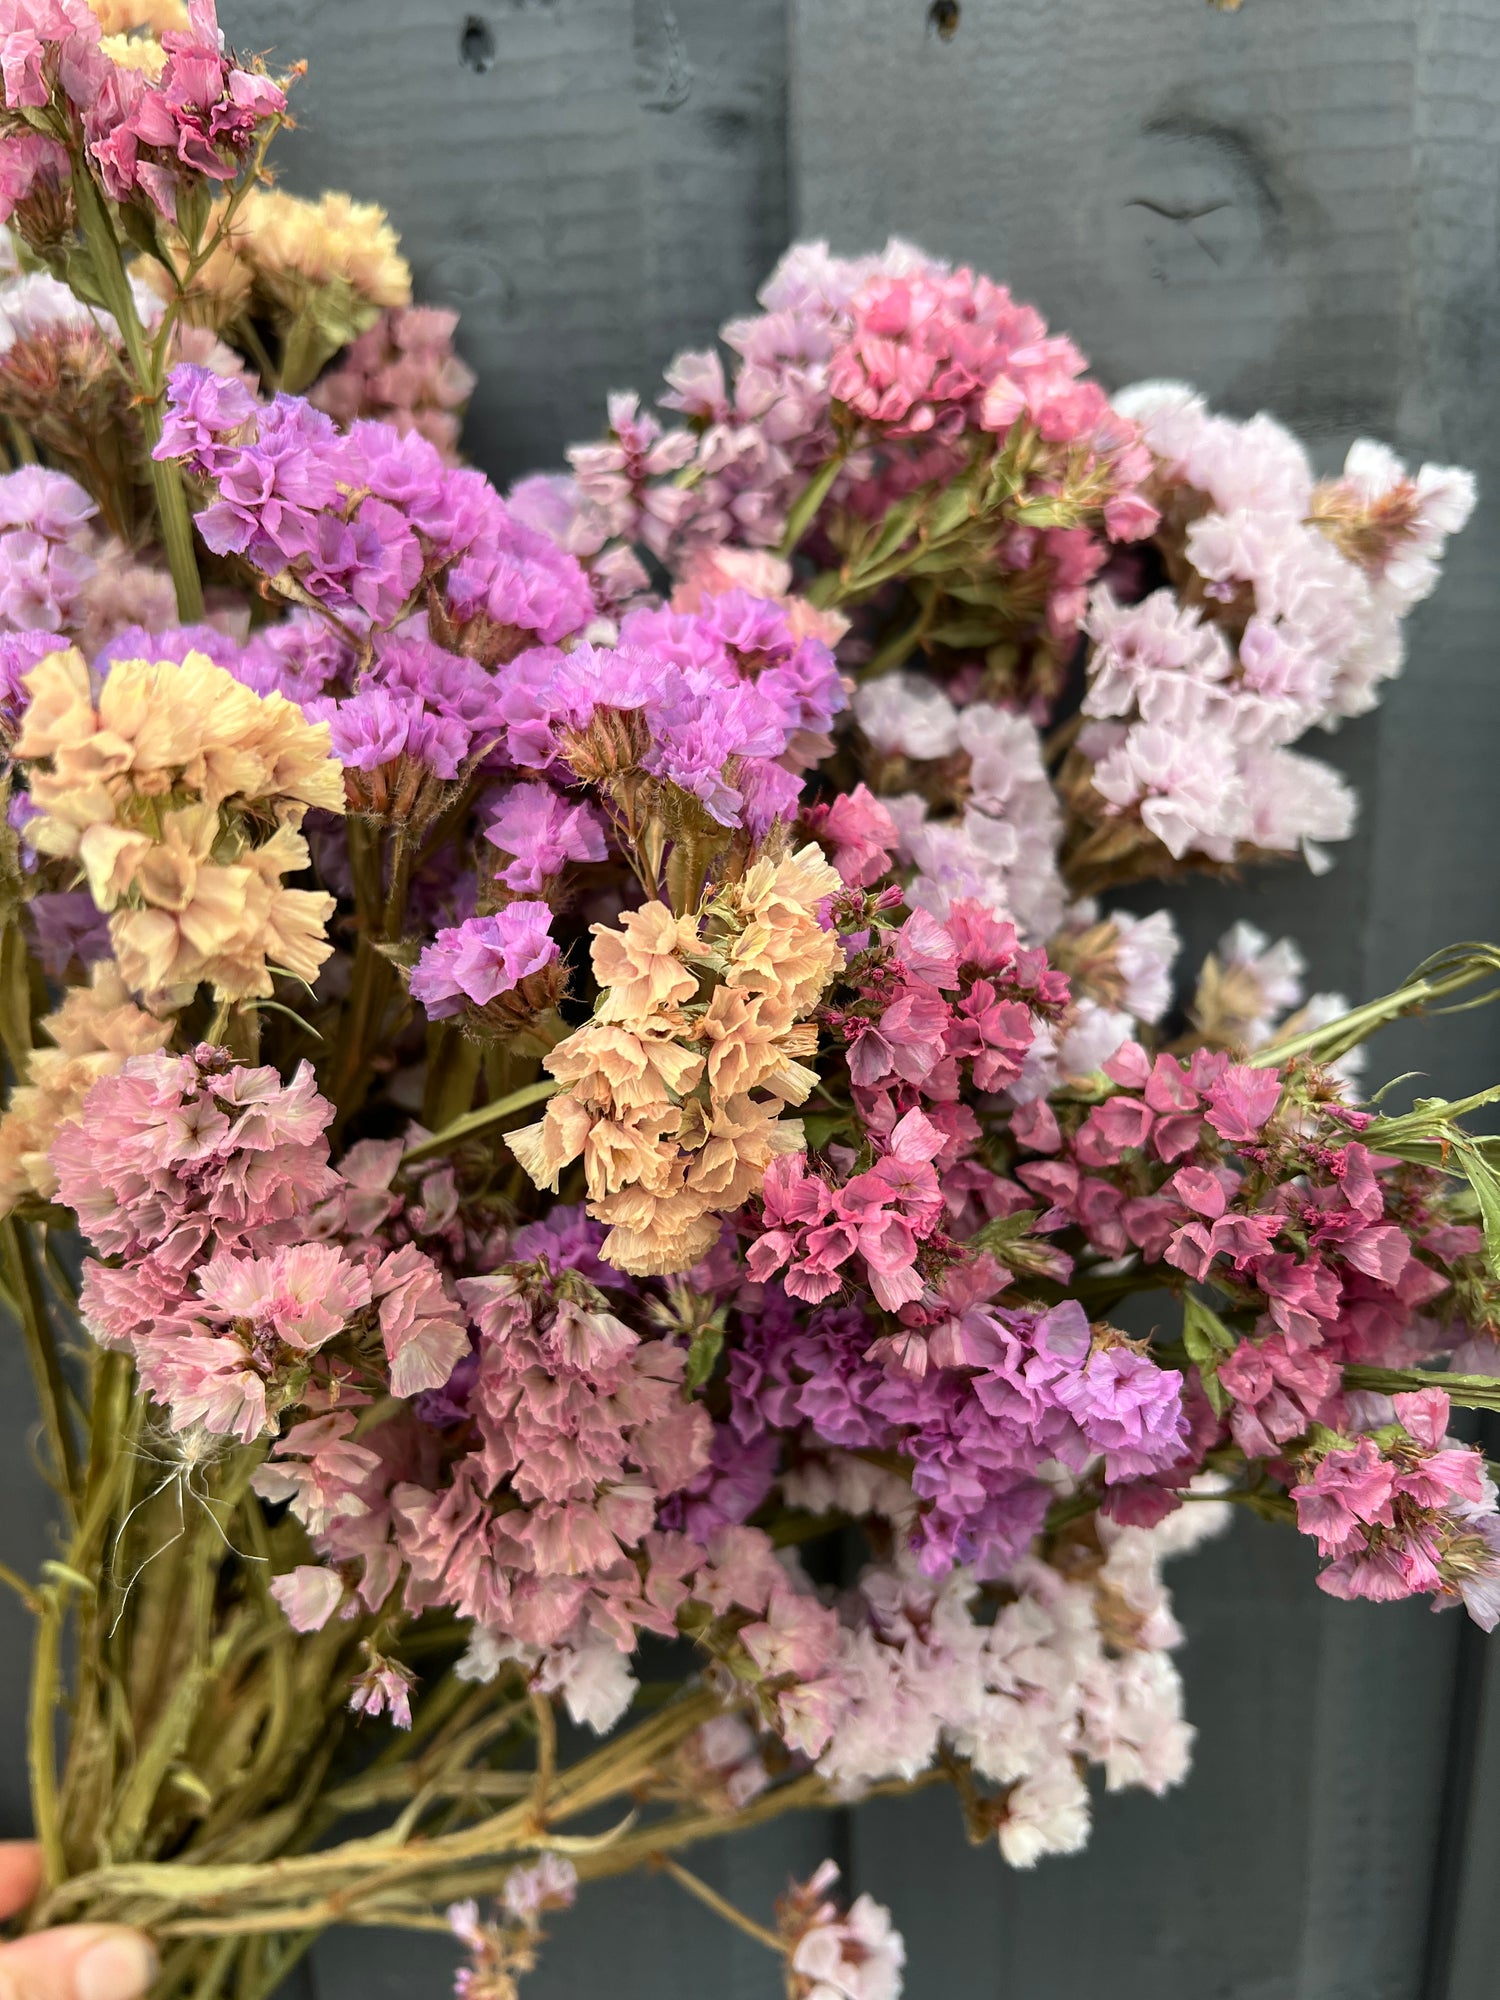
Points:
[[157, 114], [403, 371], [589, 1041], [673, 1094], [834, 1954], [1076, 1665], [178, 793], [1283, 613]]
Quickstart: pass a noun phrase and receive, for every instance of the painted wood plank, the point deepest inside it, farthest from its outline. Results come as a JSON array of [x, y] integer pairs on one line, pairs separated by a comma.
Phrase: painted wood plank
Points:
[[605, 188]]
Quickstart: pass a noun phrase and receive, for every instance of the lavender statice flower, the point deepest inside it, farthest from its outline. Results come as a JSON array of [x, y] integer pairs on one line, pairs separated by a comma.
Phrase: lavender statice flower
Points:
[[542, 831], [301, 657], [68, 925], [483, 959], [369, 521], [47, 553]]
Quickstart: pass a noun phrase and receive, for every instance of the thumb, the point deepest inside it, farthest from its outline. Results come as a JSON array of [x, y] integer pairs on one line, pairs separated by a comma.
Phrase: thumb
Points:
[[78, 1962]]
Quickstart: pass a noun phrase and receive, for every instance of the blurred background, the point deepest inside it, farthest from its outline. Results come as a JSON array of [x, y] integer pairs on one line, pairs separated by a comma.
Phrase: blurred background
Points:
[[1295, 206]]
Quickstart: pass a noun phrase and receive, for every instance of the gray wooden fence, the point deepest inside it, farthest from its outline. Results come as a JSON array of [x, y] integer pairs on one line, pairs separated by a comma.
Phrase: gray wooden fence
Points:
[[1296, 206]]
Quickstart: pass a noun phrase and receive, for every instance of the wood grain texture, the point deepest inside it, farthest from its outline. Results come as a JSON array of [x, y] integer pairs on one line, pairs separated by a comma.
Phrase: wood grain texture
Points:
[[607, 191]]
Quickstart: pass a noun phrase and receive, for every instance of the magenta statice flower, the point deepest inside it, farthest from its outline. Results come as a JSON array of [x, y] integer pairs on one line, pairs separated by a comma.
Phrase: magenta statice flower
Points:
[[379, 726], [483, 958], [542, 830]]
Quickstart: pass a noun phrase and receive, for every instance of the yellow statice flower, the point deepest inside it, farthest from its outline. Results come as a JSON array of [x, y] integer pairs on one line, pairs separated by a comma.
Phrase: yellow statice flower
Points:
[[334, 259], [673, 1094], [136, 52], [291, 242], [124, 17], [94, 1032], [179, 792]]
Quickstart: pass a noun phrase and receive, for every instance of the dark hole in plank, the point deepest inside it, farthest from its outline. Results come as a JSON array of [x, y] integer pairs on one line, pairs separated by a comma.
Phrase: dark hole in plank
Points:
[[476, 45]]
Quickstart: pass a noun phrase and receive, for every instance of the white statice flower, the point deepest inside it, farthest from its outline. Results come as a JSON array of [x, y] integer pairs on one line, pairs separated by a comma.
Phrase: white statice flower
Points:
[[907, 715], [1070, 1668], [1297, 802], [1144, 957], [1142, 649], [1091, 1034], [1047, 1813], [1001, 850], [1185, 786], [1257, 465], [1291, 620], [592, 1675], [1440, 499], [1267, 979], [854, 1954], [830, 1481]]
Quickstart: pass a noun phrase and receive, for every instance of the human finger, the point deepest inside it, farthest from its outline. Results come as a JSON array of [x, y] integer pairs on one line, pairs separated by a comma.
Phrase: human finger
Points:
[[78, 1962]]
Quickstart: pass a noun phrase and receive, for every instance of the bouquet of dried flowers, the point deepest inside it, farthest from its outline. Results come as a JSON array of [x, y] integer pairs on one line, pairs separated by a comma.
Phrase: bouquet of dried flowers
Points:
[[587, 1149]]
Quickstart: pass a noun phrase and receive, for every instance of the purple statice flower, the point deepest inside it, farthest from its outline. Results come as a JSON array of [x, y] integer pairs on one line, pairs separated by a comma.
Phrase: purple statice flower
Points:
[[402, 468], [379, 725], [68, 925], [361, 518], [504, 570], [135, 642], [721, 723], [365, 569], [40, 581], [768, 792], [48, 503], [736, 636], [449, 683], [19, 653], [46, 549], [483, 958], [301, 657], [683, 637], [448, 1406], [274, 492], [570, 1240], [1128, 1408], [203, 410], [543, 831], [546, 694]]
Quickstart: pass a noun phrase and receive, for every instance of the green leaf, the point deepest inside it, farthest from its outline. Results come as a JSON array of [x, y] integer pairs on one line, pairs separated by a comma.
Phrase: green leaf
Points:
[[1485, 1182], [1471, 1392], [1207, 1339], [820, 1126], [703, 1355], [1204, 1334], [809, 500], [479, 1121], [1004, 1229], [963, 632]]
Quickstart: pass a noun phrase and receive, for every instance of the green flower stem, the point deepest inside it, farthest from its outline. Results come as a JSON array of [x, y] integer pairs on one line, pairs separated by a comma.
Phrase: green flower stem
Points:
[[107, 267], [480, 1121], [1471, 1392], [24, 1285]]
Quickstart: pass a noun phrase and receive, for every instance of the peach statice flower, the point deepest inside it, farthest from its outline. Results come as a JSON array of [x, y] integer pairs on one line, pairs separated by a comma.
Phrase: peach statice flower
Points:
[[673, 1093], [94, 1032], [179, 793]]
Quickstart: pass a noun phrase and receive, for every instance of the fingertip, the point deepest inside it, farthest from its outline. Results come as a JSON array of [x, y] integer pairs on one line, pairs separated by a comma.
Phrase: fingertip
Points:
[[78, 1962], [118, 1966], [20, 1874]]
